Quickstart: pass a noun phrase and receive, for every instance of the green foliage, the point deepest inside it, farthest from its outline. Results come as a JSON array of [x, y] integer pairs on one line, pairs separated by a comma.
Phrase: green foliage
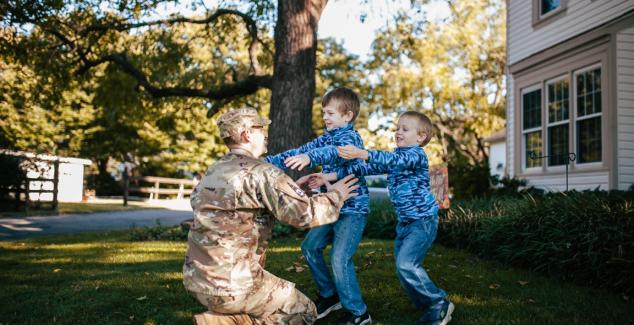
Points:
[[507, 185], [469, 180], [583, 236], [381, 220]]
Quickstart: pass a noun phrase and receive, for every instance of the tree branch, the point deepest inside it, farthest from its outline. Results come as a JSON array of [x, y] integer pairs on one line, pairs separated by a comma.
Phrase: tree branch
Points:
[[249, 22], [246, 86], [254, 81]]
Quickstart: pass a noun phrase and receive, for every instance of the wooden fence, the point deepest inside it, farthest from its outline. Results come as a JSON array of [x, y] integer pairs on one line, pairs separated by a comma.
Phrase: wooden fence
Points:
[[185, 186]]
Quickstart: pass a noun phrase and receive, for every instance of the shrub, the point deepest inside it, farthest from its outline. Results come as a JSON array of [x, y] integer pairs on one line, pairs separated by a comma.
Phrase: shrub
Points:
[[469, 181], [585, 236], [381, 220]]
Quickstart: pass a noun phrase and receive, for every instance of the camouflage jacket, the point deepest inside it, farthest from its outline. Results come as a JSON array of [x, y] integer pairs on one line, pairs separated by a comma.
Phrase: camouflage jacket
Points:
[[407, 172], [234, 205], [321, 153]]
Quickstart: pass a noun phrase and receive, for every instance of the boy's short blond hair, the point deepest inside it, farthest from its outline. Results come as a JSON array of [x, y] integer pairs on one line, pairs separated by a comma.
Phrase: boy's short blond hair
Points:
[[424, 124], [345, 99]]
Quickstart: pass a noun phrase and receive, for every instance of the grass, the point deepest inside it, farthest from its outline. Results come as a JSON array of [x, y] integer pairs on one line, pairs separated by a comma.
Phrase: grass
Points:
[[73, 208], [104, 278]]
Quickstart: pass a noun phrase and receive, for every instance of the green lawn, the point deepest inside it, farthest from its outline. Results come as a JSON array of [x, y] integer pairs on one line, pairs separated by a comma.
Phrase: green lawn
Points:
[[103, 278], [72, 208]]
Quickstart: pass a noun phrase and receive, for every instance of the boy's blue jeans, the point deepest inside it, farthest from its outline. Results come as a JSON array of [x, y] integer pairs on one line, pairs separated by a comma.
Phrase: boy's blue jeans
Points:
[[345, 235], [412, 243]]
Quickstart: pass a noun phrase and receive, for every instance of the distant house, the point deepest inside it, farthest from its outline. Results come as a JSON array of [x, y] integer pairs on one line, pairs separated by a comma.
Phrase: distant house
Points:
[[41, 174], [571, 90], [497, 153]]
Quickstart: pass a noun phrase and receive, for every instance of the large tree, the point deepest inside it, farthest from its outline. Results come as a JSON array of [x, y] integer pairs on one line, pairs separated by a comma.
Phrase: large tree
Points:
[[78, 38]]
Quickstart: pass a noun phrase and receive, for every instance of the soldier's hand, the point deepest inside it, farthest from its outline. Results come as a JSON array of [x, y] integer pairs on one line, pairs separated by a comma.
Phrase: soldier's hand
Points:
[[297, 162], [345, 186], [351, 152]]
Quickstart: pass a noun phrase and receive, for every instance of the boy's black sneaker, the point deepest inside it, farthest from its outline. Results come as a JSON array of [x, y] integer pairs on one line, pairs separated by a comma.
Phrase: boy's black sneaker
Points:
[[326, 305], [439, 315], [350, 319]]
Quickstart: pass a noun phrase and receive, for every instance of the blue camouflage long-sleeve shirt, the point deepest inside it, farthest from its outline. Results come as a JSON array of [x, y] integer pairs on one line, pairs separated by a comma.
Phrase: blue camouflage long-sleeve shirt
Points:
[[407, 172], [323, 151]]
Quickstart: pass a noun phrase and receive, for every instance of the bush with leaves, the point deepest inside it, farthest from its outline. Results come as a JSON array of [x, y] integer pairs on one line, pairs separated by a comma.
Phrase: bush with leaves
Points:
[[381, 221], [469, 181], [584, 236]]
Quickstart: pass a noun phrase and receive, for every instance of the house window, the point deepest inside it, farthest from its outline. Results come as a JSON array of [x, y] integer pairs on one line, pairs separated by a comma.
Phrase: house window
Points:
[[547, 6], [558, 110], [532, 126], [588, 132], [546, 11]]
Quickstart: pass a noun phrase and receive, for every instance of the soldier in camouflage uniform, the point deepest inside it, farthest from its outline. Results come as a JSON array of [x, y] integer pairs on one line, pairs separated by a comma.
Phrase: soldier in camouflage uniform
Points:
[[234, 205]]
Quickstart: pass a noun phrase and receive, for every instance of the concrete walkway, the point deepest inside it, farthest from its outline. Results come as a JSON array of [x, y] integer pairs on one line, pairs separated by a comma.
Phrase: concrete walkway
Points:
[[16, 228]]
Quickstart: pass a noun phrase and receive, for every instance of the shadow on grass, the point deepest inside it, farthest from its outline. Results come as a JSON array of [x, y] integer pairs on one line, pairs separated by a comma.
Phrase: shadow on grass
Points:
[[97, 279]]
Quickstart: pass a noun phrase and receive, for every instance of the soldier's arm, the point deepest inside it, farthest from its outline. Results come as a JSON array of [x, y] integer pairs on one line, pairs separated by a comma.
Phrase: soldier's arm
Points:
[[290, 204]]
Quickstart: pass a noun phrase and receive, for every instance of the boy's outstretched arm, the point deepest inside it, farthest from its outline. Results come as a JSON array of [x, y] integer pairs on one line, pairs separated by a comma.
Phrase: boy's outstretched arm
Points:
[[319, 156], [352, 152], [278, 159], [399, 159]]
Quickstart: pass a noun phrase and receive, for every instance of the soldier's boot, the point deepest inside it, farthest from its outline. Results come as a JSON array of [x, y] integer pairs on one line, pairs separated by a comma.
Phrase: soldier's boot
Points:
[[211, 318]]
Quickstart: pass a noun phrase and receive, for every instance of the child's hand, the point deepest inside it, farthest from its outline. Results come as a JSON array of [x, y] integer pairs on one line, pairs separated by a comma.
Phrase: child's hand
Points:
[[351, 152], [303, 181], [317, 180], [313, 181], [297, 162]]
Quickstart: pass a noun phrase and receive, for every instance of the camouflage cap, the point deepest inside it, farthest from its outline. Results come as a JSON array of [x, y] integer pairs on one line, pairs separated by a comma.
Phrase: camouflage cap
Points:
[[233, 122]]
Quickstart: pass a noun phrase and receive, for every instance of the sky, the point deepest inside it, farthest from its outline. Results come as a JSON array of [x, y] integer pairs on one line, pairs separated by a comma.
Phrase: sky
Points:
[[341, 20]]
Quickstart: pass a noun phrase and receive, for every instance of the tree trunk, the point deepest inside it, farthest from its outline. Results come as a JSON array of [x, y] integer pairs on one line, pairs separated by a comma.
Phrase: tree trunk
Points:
[[293, 87]]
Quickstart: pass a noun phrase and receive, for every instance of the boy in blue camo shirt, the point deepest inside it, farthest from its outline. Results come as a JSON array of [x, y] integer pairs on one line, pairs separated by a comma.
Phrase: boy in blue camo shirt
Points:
[[416, 208], [340, 107]]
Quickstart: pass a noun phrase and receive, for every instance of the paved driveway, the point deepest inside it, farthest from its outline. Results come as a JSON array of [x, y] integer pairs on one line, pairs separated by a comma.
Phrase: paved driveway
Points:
[[173, 213], [74, 223]]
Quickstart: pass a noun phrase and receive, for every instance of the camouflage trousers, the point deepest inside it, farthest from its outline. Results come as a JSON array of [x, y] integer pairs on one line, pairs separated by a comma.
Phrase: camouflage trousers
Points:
[[272, 301]]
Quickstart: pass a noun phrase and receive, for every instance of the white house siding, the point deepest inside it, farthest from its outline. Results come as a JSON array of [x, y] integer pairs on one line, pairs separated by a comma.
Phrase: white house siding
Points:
[[625, 107], [579, 181], [497, 158], [510, 117], [525, 40]]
